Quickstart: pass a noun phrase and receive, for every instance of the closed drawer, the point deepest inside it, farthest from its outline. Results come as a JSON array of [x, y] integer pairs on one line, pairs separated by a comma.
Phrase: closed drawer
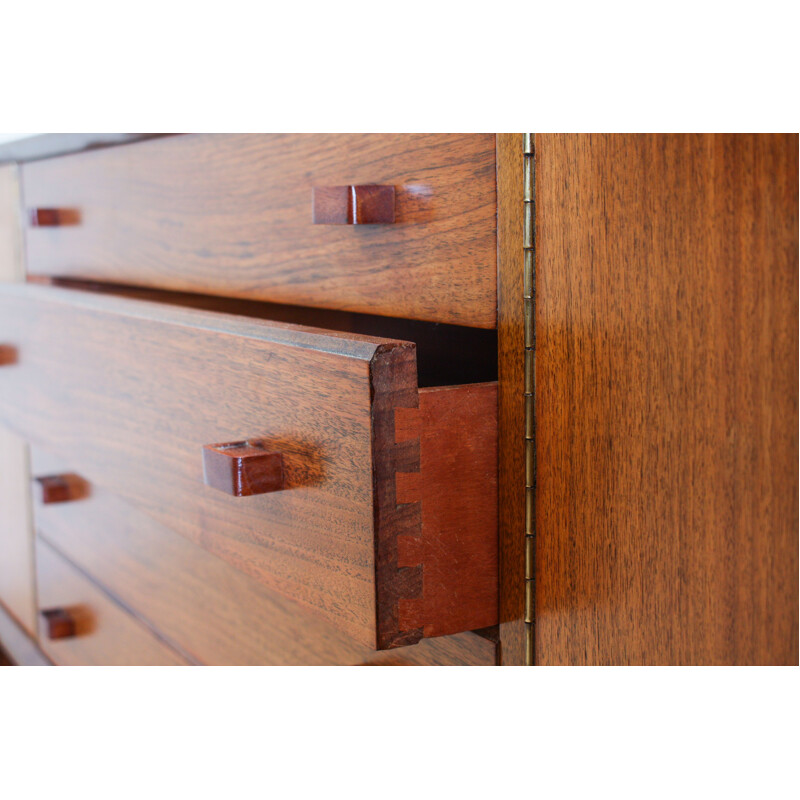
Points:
[[385, 522], [210, 611], [87, 627], [231, 215], [16, 532]]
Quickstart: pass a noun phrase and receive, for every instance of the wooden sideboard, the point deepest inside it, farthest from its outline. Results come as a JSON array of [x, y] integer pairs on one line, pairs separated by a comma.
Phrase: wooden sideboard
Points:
[[463, 399]]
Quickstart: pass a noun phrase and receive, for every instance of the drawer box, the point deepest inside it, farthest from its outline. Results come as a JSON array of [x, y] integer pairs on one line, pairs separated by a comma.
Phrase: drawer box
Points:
[[207, 608], [232, 215], [129, 392], [101, 633]]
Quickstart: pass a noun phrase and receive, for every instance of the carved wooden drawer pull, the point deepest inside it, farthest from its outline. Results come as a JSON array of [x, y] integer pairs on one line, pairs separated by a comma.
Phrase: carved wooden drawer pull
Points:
[[61, 488], [353, 205], [58, 623], [243, 468], [53, 217], [8, 355]]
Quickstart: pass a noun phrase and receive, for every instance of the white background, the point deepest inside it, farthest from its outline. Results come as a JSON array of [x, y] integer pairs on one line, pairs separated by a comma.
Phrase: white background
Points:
[[386, 733]]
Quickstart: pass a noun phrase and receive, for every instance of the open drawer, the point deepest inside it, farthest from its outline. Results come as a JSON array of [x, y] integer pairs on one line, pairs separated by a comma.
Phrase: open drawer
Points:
[[308, 459]]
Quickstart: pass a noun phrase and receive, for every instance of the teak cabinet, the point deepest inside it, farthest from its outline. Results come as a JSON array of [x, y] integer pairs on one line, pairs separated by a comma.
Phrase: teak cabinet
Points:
[[465, 399]]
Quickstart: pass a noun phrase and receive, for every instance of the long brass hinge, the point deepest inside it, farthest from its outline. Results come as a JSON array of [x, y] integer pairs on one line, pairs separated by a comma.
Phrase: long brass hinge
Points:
[[529, 245]]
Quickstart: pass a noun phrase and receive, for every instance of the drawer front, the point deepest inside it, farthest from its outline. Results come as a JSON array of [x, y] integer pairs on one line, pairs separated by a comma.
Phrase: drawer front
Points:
[[90, 629], [210, 610], [128, 393], [17, 591], [231, 215]]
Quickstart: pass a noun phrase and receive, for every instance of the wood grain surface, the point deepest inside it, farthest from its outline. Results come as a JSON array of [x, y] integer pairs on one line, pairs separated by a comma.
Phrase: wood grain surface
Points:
[[129, 392], [106, 635], [446, 354], [511, 405], [208, 609], [666, 399], [232, 215], [456, 489]]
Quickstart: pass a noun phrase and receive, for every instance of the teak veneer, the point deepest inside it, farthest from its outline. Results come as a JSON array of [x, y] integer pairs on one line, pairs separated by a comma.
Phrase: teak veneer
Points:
[[242, 225], [203, 606], [128, 393], [666, 399], [236, 488], [100, 632]]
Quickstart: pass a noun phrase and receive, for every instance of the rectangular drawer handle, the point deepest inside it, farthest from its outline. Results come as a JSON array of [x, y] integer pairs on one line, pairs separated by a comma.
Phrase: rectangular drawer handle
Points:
[[8, 355], [53, 217], [353, 205], [58, 623], [243, 468], [61, 488]]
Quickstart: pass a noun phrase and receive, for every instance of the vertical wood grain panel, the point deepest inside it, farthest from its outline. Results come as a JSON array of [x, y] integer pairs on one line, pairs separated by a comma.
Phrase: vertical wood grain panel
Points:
[[17, 587], [511, 346], [666, 409]]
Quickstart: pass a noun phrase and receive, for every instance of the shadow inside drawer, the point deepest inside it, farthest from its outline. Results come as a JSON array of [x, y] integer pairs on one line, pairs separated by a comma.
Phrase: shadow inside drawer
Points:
[[446, 354]]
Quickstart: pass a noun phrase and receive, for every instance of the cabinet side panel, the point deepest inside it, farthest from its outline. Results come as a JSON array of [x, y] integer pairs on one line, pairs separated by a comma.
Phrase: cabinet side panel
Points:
[[666, 399], [17, 588]]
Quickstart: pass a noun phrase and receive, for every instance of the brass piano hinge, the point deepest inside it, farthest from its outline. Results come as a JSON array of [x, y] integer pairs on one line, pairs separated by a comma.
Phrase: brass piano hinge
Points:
[[529, 244]]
